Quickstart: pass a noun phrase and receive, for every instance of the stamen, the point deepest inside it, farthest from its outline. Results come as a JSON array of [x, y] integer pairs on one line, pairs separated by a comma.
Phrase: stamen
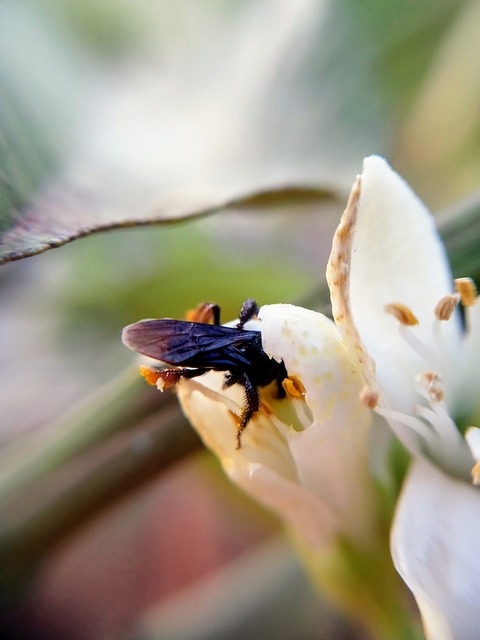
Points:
[[446, 306], [430, 385], [402, 313], [431, 357], [443, 425], [438, 432], [293, 387], [448, 439], [433, 424], [409, 421], [467, 290], [407, 319]]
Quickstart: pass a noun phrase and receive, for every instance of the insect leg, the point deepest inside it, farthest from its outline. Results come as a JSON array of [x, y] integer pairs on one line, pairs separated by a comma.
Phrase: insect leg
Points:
[[248, 311], [166, 378], [252, 405]]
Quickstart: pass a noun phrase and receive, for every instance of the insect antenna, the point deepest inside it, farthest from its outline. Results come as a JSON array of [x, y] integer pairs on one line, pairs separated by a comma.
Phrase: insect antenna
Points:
[[248, 311]]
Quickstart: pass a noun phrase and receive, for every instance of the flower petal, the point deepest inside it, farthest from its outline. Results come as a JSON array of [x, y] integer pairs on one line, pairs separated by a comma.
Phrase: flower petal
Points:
[[396, 257], [305, 456], [331, 455], [312, 349], [436, 549], [214, 412], [263, 466]]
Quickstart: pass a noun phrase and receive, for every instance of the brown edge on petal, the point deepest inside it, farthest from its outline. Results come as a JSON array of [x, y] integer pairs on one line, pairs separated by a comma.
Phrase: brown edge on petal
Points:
[[338, 278]]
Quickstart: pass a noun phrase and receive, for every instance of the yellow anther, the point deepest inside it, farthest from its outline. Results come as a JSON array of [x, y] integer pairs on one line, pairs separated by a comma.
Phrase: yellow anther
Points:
[[402, 313], [293, 387], [446, 306], [467, 290]]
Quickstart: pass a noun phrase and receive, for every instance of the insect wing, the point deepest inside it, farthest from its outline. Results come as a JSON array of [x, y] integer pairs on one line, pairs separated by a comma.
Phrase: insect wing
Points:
[[191, 344], [160, 339]]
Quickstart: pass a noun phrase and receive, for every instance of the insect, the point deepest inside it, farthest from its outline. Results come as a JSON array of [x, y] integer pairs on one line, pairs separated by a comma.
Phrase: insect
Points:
[[195, 347]]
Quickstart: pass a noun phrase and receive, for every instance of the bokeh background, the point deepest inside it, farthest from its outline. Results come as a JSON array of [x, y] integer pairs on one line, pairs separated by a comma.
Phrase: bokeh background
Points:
[[114, 521]]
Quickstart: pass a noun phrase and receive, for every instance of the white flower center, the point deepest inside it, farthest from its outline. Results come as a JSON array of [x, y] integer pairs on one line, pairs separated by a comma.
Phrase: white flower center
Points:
[[429, 430]]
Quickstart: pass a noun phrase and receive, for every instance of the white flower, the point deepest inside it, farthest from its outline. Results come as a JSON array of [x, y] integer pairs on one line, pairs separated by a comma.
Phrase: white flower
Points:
[[398, 351], [307, 456], [397, 300]]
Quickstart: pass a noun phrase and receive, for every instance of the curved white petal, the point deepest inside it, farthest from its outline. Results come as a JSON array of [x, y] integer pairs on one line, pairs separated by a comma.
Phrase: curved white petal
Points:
[[436, 549], [214, 411], [312, 349], [331, 455], [397, 257], [263, 466]]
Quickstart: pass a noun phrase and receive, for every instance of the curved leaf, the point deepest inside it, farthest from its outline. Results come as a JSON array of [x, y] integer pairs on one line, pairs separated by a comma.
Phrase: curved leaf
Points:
[[61, 218]]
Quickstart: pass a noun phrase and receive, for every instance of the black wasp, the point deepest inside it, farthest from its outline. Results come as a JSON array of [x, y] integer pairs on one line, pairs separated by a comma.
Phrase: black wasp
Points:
[[195, 347]]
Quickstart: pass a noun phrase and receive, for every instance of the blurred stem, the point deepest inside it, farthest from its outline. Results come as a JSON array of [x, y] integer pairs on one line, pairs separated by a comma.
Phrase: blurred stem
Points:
[[365, 586], [62, 475], [26, 460]]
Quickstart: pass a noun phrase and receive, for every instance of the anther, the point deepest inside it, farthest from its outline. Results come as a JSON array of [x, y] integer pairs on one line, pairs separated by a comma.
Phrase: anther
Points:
[[293, 387], [467, 290], [446, 306], [402, 313], [369, 397], [431, 383]]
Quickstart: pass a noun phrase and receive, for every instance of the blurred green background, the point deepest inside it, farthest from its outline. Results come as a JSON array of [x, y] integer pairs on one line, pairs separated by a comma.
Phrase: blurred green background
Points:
[[114, 110]]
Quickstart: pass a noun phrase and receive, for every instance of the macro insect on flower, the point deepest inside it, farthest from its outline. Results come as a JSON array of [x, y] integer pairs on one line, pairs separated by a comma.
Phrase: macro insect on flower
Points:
[[397, 359], [200, 344]]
